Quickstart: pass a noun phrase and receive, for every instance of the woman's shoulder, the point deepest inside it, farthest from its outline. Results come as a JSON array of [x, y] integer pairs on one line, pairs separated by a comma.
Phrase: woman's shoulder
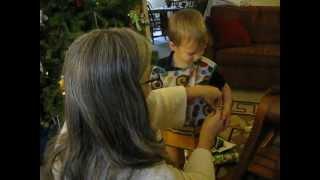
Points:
[[159, 171]]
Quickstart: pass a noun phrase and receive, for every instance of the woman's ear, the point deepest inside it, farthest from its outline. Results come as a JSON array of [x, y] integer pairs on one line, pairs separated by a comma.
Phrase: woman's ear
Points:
[[172, 46]]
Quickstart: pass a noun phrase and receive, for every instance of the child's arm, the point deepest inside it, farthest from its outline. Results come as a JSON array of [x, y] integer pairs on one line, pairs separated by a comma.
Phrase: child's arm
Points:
[[210, 93], [227, 103], [217, 80]]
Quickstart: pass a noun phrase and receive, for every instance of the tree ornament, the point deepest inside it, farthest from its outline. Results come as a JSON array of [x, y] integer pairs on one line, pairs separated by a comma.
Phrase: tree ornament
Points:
[[61, 84], [135, 19], [43, 18], [78, 3], [41, 67]]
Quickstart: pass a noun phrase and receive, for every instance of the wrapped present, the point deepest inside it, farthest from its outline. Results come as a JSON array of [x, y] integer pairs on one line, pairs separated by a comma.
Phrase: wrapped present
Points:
[[230, 156], [219, 143], [222, 145], [224, 152]]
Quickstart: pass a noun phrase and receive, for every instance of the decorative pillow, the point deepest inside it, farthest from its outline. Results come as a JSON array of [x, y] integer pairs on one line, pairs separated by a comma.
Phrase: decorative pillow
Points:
[[230, 32]]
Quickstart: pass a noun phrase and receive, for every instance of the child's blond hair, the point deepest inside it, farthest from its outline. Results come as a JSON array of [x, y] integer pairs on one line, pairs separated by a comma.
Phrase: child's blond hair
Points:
[[187, 25]]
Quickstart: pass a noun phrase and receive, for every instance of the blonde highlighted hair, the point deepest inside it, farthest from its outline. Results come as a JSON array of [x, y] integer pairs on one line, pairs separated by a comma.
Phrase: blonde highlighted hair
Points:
[[187, 25]]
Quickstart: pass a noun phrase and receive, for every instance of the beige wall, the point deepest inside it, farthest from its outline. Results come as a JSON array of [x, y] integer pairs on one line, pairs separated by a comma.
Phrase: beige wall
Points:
[[264, 2], [245, 2], [157, 3], [240, 3]]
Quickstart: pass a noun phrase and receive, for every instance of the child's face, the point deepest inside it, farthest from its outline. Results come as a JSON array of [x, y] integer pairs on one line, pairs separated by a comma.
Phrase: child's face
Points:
[[187, 52]]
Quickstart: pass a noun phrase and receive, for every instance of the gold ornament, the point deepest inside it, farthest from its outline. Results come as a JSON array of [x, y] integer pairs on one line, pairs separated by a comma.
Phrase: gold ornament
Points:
[[61, 84]]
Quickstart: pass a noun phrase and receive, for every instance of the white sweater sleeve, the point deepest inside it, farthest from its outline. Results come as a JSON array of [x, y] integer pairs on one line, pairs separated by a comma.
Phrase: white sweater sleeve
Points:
[[200, 162], [167, 107], [199, 167]]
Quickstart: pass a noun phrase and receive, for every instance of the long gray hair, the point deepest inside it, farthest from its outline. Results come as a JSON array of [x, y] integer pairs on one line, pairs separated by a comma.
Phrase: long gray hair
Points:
[[108, 126]]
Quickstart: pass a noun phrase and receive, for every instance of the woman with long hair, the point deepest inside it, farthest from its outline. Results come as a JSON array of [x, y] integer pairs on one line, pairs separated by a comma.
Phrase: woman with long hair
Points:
[[110, 132]]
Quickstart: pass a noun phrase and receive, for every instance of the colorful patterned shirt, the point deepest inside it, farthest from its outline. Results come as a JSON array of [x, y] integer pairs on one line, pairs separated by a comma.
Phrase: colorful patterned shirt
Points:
[[202, 72]]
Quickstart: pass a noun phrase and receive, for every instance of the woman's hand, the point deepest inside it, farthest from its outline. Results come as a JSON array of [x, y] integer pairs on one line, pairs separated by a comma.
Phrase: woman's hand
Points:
[[211, 127]]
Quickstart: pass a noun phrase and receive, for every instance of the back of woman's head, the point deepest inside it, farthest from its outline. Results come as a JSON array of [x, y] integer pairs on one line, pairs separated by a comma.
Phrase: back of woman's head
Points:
[[105, 109]]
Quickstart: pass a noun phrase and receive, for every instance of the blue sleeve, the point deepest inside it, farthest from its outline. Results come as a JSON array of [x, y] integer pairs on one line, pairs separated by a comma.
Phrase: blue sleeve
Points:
[[154, 79]]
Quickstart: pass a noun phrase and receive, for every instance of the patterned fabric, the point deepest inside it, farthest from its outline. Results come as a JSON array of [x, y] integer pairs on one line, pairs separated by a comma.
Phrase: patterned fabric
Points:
[[202, 72]]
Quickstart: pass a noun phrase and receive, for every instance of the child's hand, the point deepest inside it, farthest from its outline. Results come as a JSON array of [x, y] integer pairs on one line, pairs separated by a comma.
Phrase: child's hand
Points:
[[211, 95], [227, 102], [226, 115]]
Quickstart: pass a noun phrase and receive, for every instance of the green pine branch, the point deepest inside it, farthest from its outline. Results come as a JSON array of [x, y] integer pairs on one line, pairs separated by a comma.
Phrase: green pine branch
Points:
[[65, 23]]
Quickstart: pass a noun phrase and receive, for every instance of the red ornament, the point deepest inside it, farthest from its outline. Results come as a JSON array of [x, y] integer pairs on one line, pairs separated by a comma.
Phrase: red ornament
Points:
[[78, 3]]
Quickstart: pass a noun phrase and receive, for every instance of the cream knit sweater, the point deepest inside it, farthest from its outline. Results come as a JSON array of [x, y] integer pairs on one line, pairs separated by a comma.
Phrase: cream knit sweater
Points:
[[167, 108]]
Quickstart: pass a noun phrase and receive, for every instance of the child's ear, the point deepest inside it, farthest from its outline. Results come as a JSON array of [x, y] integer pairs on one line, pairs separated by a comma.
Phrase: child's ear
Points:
[[172, 46]]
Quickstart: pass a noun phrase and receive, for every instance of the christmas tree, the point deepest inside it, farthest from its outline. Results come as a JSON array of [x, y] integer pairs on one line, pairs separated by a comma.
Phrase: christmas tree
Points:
[[61, 21]]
